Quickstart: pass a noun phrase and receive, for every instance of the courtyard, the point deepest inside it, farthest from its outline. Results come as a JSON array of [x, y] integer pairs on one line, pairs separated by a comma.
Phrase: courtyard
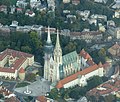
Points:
[[37, 88]]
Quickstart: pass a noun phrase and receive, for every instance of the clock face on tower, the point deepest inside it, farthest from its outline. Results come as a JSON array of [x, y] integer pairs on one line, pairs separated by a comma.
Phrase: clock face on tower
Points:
[[57, 52]]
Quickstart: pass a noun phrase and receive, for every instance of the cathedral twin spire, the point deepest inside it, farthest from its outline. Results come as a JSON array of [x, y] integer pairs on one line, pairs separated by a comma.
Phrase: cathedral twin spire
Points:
[[48, 37], [57, 40], [53, 58]]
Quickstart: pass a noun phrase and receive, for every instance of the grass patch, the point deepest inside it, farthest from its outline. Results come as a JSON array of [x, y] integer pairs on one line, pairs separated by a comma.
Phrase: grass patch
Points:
[[22, 84]]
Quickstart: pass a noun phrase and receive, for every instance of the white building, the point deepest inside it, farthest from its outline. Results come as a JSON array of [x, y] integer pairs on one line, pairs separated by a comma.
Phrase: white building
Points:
[[21, 3], [117, 32], [84, 13], [92, 21], [80, 78], [70, 69], [35, 3], [30, 13], [116, 5], [12, 61], [117, 14], [96, 16], [101, 1], [51, 4], [66, 1], [110, 23]]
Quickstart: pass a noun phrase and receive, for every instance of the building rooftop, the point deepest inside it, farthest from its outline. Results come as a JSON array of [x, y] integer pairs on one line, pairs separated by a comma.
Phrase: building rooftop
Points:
[[9, 96], [75, 76], [21, 58], [109, 87]]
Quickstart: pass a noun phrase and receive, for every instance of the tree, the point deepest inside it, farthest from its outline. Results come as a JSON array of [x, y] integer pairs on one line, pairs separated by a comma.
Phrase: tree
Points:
[[110, 98], [34, 40], [30, 77], [71, 46], [93, 99], [53, 94], [93, 27], [26, 49], [1, 96], [102, 52], [30, 98], [96, 80], [74, 94]]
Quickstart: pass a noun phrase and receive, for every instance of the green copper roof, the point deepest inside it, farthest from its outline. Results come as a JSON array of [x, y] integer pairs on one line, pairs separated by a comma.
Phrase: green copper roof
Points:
[[75, 65], [70, 58]]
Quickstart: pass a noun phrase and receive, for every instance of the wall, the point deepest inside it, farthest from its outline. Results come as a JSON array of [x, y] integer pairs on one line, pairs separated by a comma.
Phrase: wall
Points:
[[71, 84], [4, 61], [7, 74], [30, 60], [93, 73]]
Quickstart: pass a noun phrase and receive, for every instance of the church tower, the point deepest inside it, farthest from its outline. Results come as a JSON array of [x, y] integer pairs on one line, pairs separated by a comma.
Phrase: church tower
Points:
[[57, 57], [48, 50], [58, 51]]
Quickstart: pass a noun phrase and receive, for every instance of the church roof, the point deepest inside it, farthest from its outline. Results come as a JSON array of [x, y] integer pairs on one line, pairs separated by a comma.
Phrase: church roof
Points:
[[66, 80], [70, 58], [85, 55], [75, 65]]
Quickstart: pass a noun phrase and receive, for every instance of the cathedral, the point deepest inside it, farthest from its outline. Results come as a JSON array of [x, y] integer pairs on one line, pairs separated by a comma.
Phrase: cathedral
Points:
[[58, 67]]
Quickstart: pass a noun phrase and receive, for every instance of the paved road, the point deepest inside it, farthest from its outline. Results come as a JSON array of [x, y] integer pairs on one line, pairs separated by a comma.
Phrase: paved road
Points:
[[110, 72], [9, 85]]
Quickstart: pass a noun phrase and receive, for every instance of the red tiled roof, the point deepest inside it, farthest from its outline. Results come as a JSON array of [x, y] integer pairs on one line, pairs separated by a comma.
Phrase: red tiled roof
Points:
[[90, 62], [106, 65], [12, 99], [6, 93], [18, 62], [18, 53], [21, 70], [110, 86], [85, 55], [14, 53], [10, 70], [115, 46], [3, 55], [59, 85], [42, 99], [114, 50], [19, 9], [74, 76]]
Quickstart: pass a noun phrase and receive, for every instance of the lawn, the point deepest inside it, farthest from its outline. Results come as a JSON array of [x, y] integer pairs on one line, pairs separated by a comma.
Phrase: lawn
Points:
[[22, 84]]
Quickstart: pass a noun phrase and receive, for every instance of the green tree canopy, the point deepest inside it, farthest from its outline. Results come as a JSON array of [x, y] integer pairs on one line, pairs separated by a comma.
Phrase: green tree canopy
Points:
[[96, 80]]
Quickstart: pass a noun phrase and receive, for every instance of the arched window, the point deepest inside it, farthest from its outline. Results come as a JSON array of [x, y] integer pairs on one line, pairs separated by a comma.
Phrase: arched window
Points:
[[66, 73]]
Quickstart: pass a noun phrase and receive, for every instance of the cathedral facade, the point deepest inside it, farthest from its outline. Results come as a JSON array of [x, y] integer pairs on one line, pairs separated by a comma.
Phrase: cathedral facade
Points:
[[58, 66]]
